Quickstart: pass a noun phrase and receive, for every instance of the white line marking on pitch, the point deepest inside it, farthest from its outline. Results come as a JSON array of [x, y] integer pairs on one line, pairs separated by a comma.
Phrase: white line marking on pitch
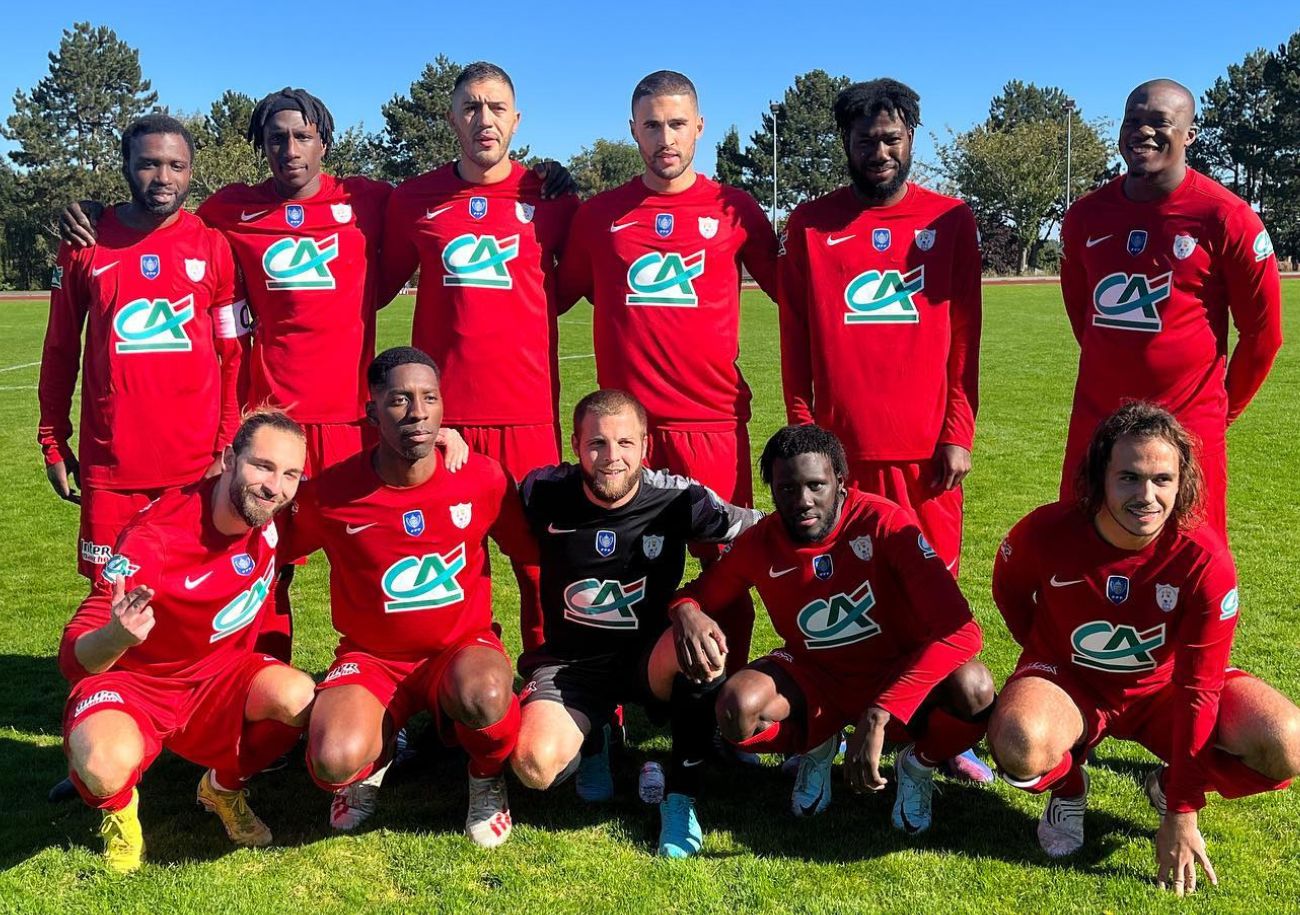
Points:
[[14, 368], [579, 356], [20, 387]]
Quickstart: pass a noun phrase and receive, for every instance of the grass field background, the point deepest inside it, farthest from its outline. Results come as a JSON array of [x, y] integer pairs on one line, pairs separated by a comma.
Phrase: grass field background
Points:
[[981, 854]]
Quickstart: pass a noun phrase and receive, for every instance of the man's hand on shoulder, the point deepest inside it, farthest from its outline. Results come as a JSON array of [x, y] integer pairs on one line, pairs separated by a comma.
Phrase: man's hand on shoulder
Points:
[[77, 223]]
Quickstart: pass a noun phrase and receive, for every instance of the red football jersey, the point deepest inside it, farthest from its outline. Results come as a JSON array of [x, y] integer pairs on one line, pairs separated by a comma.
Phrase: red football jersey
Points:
[[870, 603], [486, 307], [1149, 288], [880, 322], [161, 354], [663, 274], [209, 589], [409, 571], [1125, 623], [312, 271]]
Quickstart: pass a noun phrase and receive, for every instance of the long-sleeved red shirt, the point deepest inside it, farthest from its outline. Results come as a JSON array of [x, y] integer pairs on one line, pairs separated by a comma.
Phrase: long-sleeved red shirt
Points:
[[161, 357], [880, 322]]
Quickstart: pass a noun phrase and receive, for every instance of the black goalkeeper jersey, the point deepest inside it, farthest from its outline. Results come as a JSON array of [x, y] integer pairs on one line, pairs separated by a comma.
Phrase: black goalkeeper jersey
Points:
[[607, 574]]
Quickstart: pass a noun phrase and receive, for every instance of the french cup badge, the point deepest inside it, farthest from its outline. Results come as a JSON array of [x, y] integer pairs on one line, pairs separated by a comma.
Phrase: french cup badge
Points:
[[294, 215], [664, 225], [605, 541], [150, 266], [478, 207], [1137, 241], [823, 567], [413, 522], [1117, 589], [880, 239], [243, 564]]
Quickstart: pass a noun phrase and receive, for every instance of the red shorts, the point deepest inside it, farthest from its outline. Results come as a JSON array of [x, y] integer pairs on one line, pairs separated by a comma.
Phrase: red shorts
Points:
[[832, 702], [519, 449], [199, 720], [404, 688], [332, 443], [910, 484], [104, 512], [719, 460]]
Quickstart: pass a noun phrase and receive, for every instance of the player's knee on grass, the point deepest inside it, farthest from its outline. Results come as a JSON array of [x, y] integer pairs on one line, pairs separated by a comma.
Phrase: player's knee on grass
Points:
[[477, 688], [105, 766], [282, 694], [1260, 726], [1278, 752], [970, 690], [538, 763], [1025, 746], [740, 707], [338, 756]]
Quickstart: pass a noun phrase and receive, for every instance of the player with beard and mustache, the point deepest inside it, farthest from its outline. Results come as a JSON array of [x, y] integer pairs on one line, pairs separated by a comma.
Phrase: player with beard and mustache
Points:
[[612, 537], [158, 296], [876, 633], [880, 324], [161, 654]]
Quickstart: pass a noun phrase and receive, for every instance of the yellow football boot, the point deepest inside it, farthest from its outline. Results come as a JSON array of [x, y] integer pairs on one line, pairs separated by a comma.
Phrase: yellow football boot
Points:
[[123, 840], [242, 825]]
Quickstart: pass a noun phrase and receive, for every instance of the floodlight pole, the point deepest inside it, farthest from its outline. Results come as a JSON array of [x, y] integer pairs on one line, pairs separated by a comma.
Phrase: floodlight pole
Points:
[[774, 109], [1069, 124]]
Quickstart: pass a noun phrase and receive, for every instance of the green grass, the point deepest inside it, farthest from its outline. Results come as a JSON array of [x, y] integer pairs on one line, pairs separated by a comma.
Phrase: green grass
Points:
[[564, 857]]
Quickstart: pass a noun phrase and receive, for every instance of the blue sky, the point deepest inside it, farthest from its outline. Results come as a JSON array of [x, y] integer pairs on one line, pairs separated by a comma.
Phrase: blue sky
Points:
[[574, 65]]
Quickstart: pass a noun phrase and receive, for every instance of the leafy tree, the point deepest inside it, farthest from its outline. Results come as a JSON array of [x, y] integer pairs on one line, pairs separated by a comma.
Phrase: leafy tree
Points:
[[416, 134], [605, 164], [355, 152], [1235, 143], [731, 161], [1020, 102], [224, 155]]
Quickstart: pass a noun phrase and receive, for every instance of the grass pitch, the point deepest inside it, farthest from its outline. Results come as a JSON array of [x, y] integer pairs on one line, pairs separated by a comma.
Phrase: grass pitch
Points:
[[980, 856]]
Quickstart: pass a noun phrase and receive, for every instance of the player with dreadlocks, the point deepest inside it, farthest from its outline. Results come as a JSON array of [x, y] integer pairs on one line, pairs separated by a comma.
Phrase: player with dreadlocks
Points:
[[876, 276]]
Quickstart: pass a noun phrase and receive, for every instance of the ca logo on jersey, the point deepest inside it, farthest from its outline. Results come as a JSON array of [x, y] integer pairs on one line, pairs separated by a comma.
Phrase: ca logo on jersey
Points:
[[1101, 645], [839, 620], [241, 611], [1128, 301], [424, 582], [665, 279], [603, 604], [875, 298], [154, 326], [479, 260], [300, 263]]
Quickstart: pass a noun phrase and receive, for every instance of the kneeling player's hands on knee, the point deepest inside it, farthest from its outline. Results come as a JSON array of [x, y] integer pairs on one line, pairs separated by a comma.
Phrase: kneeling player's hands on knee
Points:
[[701, 646], [862, 757], [132, 619], [1179, 848]]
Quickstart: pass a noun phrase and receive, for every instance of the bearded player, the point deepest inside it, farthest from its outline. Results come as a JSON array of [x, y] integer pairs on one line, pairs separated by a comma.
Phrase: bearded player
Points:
[[161, 654], [1154, 265], [613, 538], [157, 299], [876, 634], [411, 596], [659, 258], [1125, 607]]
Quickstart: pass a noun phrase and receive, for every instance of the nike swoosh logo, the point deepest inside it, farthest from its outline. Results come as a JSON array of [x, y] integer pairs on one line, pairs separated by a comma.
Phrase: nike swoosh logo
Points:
[[619, 227], [1062, 584], [249, 217], [191, 584], [691, 763], [552, 529], [360, 527], [433, 214], [1096, 241], [96, 271], [832, 242], [810, 810], [775, 574]]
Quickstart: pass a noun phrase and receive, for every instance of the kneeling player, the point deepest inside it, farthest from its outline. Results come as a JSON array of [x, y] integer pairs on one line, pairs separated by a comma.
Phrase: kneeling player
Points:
[[1125, 608], [613, 539], [161, 652], [876, 634], [411, 596]]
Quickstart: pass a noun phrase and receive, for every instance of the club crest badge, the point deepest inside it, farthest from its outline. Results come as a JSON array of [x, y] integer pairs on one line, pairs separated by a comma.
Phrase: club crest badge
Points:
[[342, 212], [1137, 241], [708, 227], [524, 211], [413, 522], [1184, 245], [605, 541], [478, 207], [925, 239], [1117, 589], [243, 564], [880, 239], [196, 269], [652, 545], [270, 534], [862, 547], [823, 567], [461, 514], [294, 215], [150, 266], [1166, 597], [664, 225]]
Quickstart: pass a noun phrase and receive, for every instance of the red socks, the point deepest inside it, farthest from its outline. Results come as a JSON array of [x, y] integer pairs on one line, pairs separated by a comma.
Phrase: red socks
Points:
[[490, 747]]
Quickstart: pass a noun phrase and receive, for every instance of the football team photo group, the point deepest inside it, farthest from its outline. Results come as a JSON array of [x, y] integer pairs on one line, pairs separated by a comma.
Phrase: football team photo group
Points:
[[213, 399]]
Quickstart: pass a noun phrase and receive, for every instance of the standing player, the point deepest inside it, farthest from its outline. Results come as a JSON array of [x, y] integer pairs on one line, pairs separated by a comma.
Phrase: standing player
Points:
[[158, 297], [659, 259], [161, 653], [411, 596], [1126, 607], [876, 634], [1153, 265], [613, 541], [486, 241]]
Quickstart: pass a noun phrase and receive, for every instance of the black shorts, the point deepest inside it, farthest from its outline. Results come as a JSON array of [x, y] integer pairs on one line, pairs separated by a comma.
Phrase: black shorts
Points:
[[592, 686]]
